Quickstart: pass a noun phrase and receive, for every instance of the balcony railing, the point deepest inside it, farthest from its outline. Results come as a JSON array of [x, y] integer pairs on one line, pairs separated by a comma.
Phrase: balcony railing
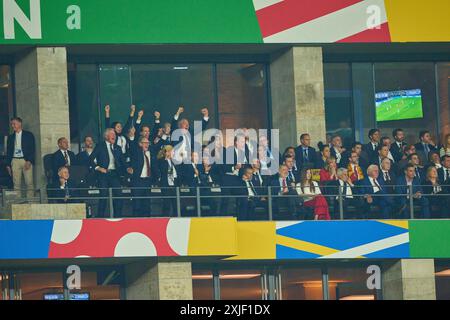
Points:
[[219, 201]]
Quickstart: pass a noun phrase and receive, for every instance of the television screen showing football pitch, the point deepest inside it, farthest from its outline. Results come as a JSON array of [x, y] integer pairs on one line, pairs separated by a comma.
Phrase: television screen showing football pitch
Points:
[[398, 105]]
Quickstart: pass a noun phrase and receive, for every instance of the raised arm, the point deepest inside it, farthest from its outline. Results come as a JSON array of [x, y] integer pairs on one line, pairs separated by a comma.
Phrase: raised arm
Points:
[[130, 120]]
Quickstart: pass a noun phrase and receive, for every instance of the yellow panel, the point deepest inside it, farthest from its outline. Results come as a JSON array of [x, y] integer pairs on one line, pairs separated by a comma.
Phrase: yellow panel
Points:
[[398, 223], [418, 20], [213, 237], [305, 246], [256, 240]]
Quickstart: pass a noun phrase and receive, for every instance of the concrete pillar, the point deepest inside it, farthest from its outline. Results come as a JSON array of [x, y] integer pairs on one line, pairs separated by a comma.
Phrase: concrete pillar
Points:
[[297, 91], [42, 100], [409, 279], [159, 281]]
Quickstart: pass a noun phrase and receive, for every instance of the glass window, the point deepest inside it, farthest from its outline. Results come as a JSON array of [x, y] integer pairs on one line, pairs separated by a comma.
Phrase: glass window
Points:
[[165, 87], [242, 96], [301, 284], [202, 285], [443, 74], [6, 105], [363, 100], [349, 283], [338, 101], [241, 285], [84, 110], [405, 76], [115, 90]]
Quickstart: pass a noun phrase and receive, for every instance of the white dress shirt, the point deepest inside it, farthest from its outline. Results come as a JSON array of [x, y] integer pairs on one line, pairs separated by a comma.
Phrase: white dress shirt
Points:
[[374, 185], [18, 153], [144, 168], [348, 193], [112, 165]]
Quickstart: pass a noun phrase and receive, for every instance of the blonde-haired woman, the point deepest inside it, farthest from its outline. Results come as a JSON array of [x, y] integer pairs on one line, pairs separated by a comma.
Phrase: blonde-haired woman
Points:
[[445, 150], [168, 177]]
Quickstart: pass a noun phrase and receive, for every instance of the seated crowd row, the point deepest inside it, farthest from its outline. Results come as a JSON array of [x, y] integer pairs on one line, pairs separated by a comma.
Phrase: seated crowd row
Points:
[[381, 174]]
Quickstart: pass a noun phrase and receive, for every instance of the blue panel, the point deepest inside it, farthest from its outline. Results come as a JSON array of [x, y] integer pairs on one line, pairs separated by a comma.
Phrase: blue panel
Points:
[[400, 251], [289, 253], [340, 235], [25, 239]]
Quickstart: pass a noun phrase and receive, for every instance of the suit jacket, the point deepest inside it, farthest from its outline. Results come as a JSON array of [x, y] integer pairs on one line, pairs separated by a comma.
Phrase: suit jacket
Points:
[[231, 150], [83, 160], [299, 157], [277, 186], [420, 149], [402, 187], [213, 176], [101, 155], [389, 184], [367, 188], [441, 175], [55, 191], [28, 147], [187, 175], [138, 162], [396, 151], [371, 153], [163, 173], [58, 161]]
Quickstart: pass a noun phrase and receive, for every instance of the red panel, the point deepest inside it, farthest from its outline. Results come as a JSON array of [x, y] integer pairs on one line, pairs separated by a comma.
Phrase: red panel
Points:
[[290, 13], [371, 35], [99, 237]]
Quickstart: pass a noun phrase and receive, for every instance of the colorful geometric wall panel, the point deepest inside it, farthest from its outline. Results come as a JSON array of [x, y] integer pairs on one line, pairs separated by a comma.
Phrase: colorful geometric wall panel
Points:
[[256, 240], [342, 239], [430, 238]]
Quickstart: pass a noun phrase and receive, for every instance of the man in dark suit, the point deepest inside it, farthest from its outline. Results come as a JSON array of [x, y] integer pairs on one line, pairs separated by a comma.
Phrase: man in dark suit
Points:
[[284, 194], [182, 135], [189, 172], [143, 175], [83, 160], [63, 190], [349, 198], [397, 148], [62, 158], [375, 192], [109, 164], [20, 156], [293, 174], [370, 149], [382, 152], [337, 150], [387, 176], [425, 146], [418, 169], [405, 182], [444, 172], [247, 196], [305, 155]]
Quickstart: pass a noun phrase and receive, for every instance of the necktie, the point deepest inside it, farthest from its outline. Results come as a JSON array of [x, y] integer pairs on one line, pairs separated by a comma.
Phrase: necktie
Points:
[[252, 187], [147, 164], [291, 176], [305, 155], [284, 185], [345, 188], [377, 184], [66, 158], [417, 173], [447, 174], [112, 153], [427, 148], [386, 176], [66, 189]]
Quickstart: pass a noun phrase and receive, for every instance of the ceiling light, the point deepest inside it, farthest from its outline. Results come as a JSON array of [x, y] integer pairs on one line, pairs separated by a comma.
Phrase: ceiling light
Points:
[[358, 297], [180, 68], [227, 276]]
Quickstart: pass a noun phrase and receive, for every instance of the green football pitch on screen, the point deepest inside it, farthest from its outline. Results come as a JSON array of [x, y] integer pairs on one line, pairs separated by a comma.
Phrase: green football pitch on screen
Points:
[[399, 108]]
